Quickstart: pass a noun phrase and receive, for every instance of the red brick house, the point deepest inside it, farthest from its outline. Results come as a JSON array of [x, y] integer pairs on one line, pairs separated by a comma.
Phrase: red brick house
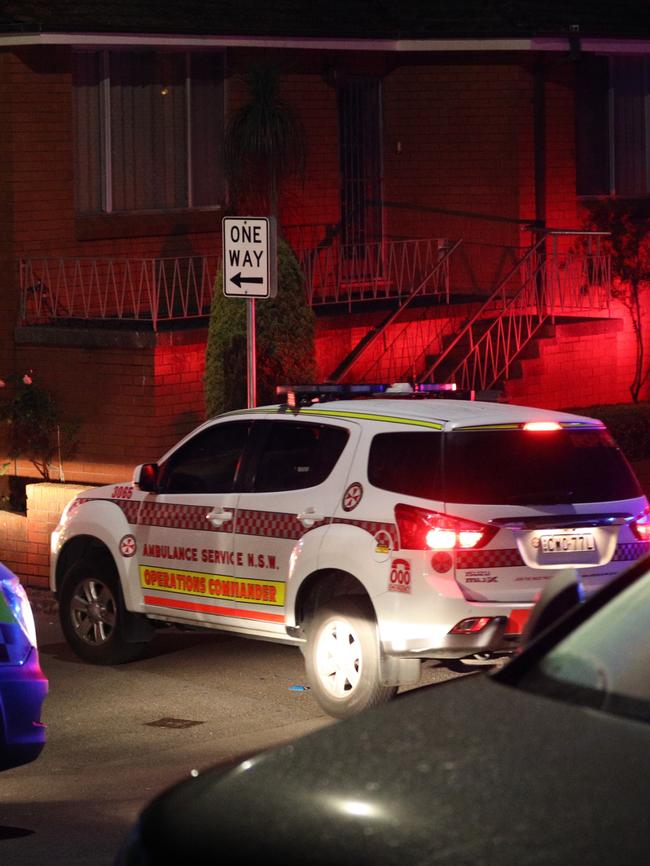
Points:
[[451, 149]]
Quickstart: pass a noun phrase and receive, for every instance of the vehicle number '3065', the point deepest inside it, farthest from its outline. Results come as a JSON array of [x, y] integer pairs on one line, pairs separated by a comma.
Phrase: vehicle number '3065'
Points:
[[123, 491]]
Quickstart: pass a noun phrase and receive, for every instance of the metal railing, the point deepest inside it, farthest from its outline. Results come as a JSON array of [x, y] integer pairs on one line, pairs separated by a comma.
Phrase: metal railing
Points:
[[337, 273], [379, 336], [156, 290], [539, 287], [151, 290]]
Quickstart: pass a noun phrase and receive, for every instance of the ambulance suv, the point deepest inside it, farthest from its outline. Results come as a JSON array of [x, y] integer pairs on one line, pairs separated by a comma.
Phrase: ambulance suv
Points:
[[371, 531]]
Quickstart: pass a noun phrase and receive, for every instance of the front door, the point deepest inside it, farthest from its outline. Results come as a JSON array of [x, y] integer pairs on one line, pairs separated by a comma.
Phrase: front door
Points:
[[185, 530]]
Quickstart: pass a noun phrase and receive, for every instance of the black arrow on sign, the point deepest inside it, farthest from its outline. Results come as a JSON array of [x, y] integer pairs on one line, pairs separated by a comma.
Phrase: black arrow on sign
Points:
[[238, 280]]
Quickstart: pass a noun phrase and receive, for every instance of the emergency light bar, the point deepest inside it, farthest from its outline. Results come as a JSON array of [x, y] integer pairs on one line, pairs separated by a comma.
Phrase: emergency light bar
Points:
[[305, 395]]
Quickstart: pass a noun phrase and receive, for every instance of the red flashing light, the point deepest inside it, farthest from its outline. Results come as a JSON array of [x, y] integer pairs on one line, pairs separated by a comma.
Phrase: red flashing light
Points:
[[541, 426], [421, 529]]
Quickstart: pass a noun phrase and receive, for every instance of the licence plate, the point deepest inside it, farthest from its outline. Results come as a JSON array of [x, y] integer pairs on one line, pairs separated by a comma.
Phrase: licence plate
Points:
[[567, 542]]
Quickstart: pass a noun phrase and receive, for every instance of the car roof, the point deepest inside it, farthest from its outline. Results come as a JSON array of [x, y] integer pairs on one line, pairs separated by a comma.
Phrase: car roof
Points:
[[449, 413]]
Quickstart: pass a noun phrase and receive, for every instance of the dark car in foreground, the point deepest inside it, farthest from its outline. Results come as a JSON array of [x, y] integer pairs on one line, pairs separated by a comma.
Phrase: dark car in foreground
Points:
[[546, 761], [23, 686]]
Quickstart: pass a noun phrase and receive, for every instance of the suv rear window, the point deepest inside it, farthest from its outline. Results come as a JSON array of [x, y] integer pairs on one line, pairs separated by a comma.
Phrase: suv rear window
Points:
[[502, 467], [528, 468]]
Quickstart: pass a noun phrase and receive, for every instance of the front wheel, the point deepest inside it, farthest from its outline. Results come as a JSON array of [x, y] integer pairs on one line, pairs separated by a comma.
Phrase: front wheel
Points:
[[92, 614], [342, 658]]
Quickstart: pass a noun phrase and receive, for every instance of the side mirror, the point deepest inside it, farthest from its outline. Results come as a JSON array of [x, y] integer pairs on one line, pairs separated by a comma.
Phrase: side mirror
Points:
[[145, 477], [562, 593]]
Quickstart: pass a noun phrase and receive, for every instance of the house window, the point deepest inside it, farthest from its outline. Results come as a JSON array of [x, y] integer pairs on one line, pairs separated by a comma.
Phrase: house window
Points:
[[613, 126], [148, 130]]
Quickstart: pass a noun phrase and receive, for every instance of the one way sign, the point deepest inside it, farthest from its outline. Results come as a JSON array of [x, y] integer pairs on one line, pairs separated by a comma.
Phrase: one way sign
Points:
[[249, 257]]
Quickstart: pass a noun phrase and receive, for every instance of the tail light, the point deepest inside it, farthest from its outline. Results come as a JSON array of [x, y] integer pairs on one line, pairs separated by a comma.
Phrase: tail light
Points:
[[421, 529], [640, 526]]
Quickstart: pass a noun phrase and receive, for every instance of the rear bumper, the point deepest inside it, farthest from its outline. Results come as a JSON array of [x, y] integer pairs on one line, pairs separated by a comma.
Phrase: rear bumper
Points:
[[22, 692], [501, 634]]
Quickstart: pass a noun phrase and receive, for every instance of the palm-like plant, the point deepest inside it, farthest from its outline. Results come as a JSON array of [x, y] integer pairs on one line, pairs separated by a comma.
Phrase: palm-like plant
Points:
[[264, 143]]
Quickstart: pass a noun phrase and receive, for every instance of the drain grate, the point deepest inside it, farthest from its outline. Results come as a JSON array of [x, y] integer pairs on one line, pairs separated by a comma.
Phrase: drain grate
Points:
[[168, 722]]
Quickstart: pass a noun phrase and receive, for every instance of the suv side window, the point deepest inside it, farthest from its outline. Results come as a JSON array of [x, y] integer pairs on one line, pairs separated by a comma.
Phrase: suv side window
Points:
[[407, 463], [297, 455], [209, 462]]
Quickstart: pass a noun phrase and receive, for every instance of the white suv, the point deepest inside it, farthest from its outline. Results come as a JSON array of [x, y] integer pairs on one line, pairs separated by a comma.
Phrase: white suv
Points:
[[372, 532]]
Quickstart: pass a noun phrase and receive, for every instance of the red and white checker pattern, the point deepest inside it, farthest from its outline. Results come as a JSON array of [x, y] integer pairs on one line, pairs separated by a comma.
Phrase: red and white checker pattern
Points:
[[503, 558], [373, 527], [173, 515], [129, 507], [271, 524], [265, 524], [630, 551]]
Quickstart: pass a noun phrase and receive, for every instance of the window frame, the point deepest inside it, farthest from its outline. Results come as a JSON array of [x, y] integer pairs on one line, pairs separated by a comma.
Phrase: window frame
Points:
[[610, 100], [104, 133], [177, 455], [259, 439]]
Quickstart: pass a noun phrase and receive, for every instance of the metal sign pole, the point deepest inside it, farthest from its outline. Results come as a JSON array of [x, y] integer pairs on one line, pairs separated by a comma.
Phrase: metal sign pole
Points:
[[251, 352]]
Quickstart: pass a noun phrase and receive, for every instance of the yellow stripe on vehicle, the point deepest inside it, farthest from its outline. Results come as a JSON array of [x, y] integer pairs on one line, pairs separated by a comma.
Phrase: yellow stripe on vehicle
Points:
[[366, 416]]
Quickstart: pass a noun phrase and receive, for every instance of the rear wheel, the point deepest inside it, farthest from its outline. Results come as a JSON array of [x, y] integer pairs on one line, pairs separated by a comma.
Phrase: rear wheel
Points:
[[93, 616], [342, 658]]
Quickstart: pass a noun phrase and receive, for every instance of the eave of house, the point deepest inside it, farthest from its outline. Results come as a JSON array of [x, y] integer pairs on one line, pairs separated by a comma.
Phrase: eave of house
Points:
[[396, 46]]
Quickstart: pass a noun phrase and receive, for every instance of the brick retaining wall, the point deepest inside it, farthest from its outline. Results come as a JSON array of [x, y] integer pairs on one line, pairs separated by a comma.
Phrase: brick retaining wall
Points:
[[25, 539]]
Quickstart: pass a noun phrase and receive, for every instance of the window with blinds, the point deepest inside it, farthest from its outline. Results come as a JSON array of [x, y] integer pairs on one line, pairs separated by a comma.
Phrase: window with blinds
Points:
[[148, 130]]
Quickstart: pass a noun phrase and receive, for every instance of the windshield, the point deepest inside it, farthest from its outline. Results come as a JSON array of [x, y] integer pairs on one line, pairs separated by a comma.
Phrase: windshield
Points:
[[604, 662], [520, 467]]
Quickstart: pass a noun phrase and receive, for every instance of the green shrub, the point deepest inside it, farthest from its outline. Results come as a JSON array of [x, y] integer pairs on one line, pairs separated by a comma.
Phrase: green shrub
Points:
[[629, 424], [285, 328]]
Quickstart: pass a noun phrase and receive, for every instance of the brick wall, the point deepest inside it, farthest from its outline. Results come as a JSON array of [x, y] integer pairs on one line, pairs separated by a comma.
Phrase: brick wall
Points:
[[582, 365], [13, 541], [451, 139], [25, 540], [132, 402], [314, 199], [178, 395]]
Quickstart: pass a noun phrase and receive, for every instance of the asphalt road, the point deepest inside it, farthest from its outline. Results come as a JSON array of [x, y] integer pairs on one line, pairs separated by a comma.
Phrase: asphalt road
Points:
[[119, 735]]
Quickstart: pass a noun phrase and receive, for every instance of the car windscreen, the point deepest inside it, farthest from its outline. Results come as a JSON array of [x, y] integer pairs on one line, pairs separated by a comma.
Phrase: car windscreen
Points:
[[604, 661], [523, 467]]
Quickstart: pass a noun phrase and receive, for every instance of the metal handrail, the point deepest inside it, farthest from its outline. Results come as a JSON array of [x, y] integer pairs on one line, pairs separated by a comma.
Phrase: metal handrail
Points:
[[550, 286], [443, 263], [490, 357], [497, 299]]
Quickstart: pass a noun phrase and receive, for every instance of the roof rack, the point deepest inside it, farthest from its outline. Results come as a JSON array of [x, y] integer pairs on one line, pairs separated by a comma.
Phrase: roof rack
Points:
[[306, 395]]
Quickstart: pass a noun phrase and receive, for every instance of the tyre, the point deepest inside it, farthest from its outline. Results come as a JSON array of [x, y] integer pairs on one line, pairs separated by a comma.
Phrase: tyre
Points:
[[342, 658], [93, 616]]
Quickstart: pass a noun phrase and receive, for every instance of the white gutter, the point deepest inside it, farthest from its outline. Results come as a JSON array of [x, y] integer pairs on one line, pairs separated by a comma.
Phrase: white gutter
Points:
[[107, 40]]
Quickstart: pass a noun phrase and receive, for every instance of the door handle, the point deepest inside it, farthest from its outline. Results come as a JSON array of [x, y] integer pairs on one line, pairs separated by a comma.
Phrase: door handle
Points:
[[309, 516], [219, 516]]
